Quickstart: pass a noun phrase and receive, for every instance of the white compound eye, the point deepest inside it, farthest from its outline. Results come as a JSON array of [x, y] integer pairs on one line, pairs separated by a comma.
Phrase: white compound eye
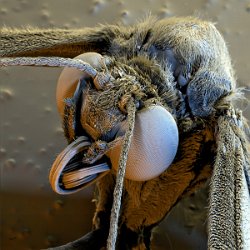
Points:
[[153, 147], [70, 77]]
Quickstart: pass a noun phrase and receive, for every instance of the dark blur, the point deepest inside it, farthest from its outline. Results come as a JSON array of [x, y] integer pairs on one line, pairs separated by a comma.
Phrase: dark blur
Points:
[[32, 216]]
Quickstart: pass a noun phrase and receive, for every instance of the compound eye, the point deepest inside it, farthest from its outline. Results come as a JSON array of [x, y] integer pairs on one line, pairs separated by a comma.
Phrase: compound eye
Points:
[[153, 146], [69, 78]]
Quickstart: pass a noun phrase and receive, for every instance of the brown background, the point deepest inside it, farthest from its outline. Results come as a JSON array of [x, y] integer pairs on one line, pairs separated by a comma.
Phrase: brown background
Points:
[[32, 216]]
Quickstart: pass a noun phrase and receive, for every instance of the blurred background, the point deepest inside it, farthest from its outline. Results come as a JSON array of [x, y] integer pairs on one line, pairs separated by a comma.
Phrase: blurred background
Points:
[[31, 215]]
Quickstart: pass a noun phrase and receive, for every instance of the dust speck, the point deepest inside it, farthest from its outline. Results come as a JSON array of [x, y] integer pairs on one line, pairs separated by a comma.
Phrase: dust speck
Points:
[[2, 152], [48, 109], [29, 163], [59, 131], [50, 241], [6, 94], [125, 13], [21, 139], [97, 6], [3, 11], [164, 12], [248, 7], [10, 163], [42, 151], [45, 14], [58, 204]]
